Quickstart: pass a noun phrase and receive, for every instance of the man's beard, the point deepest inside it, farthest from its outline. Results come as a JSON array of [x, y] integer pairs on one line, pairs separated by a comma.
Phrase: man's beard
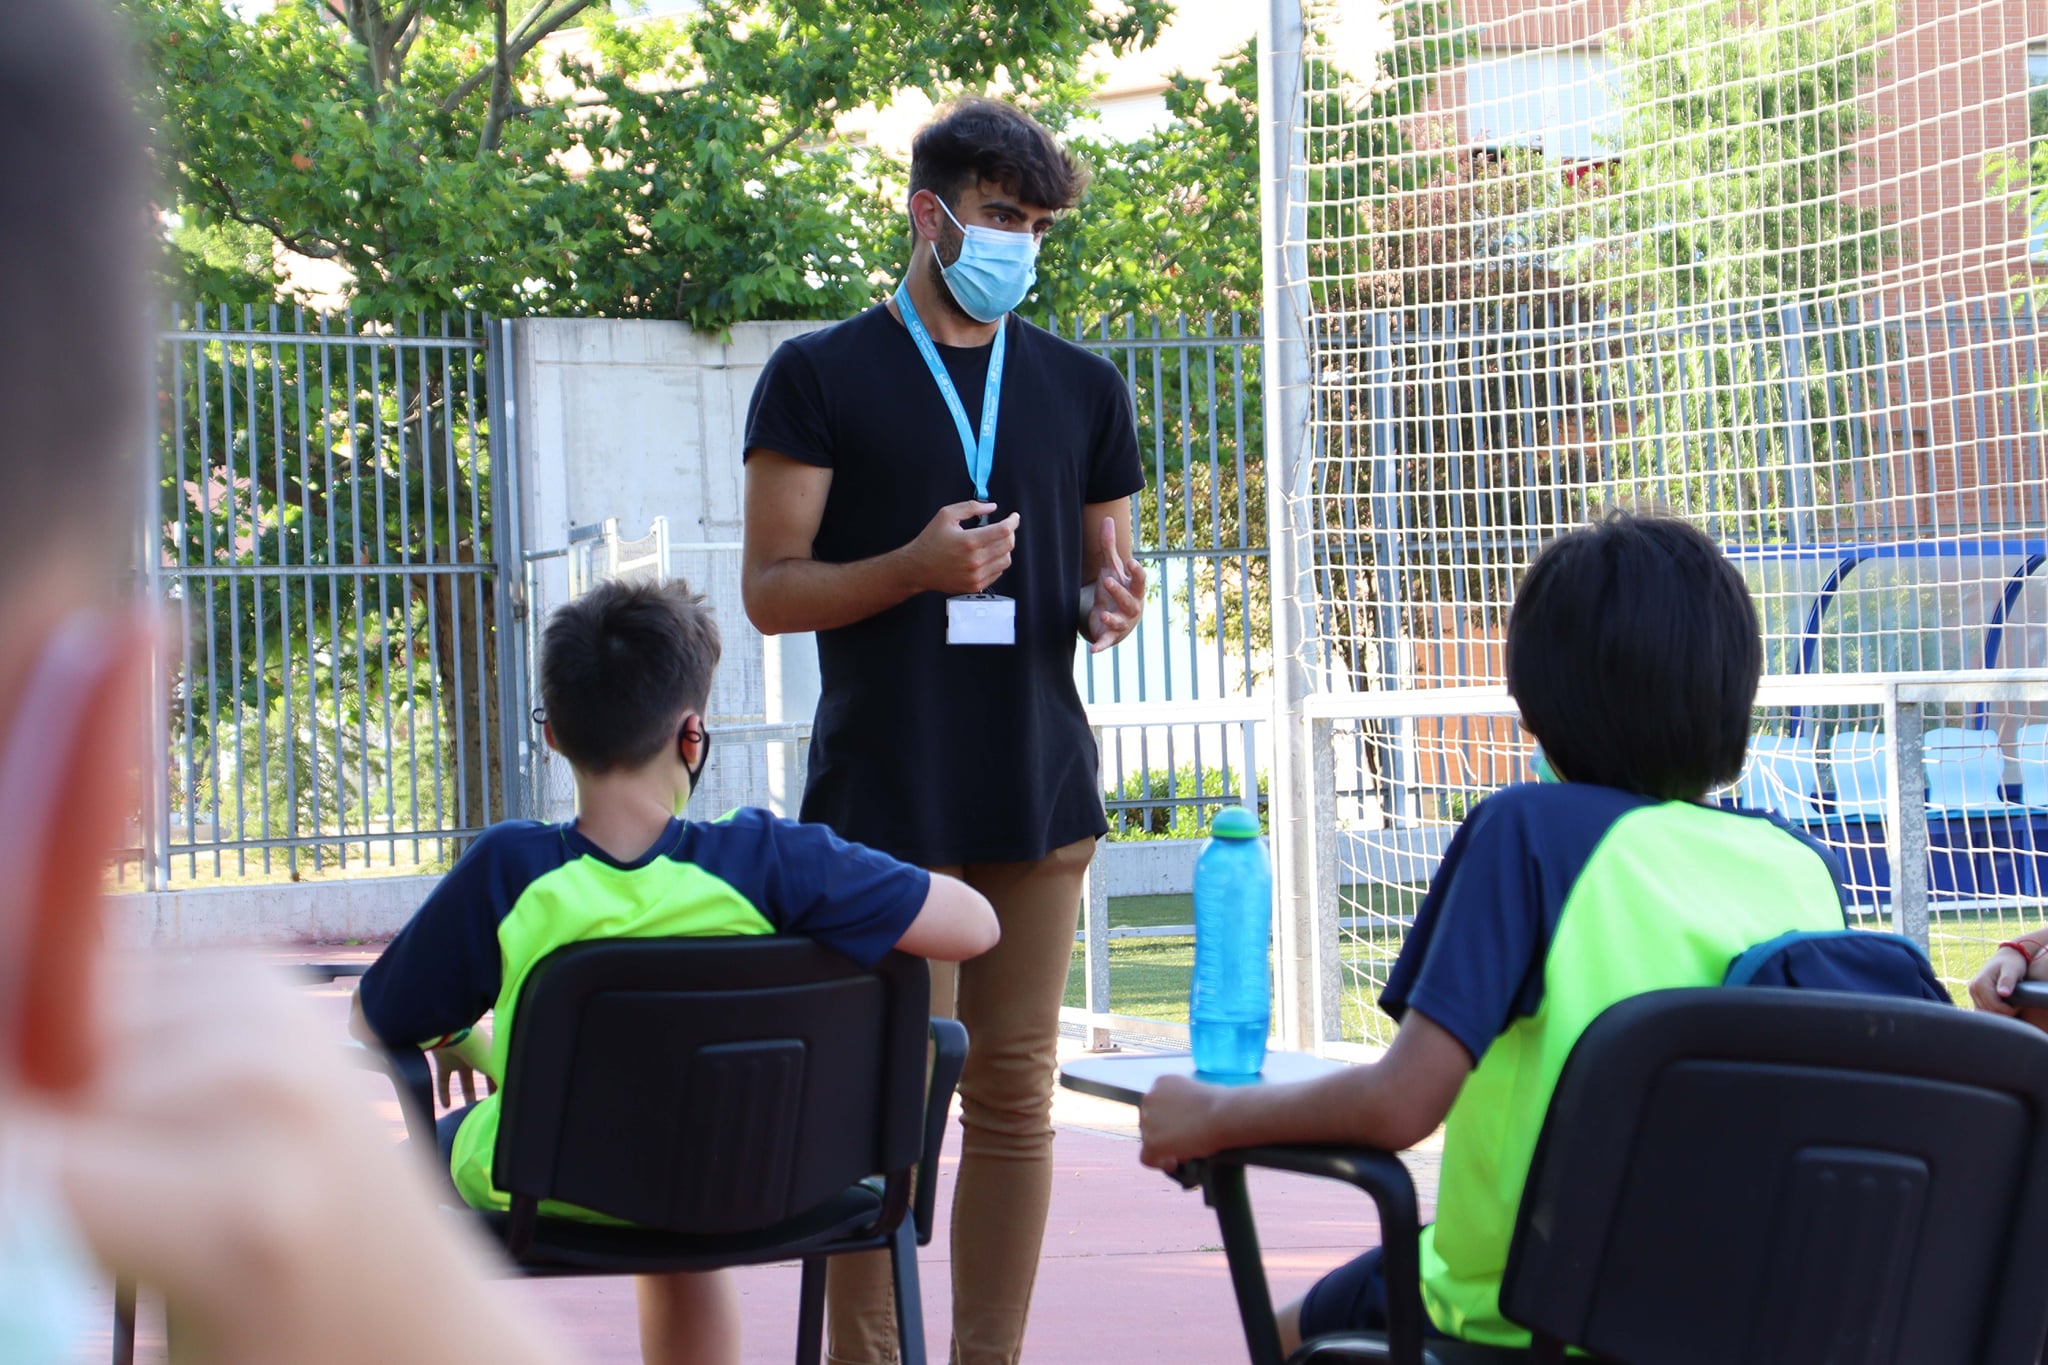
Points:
[[936, 271]]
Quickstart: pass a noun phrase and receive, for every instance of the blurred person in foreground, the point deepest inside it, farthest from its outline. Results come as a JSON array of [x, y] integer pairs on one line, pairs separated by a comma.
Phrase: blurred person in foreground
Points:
[[186, 1123]]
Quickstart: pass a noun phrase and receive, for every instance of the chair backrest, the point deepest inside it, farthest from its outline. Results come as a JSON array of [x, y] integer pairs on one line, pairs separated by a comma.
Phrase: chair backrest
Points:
[[1861, 766], [1776, 1176], [2030, 749], [1965, 768], [711, 1085], [1782, 776]]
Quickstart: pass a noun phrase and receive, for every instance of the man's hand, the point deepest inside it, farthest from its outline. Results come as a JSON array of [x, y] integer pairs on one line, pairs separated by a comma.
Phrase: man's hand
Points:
[[1116, 599], [953, 559], [1177, 1122]]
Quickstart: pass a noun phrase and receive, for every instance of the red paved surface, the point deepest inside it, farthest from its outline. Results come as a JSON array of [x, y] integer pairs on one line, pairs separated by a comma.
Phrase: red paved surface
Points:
[[1131, 1270]]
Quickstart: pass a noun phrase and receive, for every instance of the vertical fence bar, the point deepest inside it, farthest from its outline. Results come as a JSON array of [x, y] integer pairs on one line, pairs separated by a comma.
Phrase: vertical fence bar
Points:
[[1323, 837], [1095, 913], [1905, 816], [1283, 215], [508, 550]]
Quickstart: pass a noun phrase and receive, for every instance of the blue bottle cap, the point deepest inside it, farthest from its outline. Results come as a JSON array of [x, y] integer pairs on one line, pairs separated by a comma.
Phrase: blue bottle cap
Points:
[[1235, 822]]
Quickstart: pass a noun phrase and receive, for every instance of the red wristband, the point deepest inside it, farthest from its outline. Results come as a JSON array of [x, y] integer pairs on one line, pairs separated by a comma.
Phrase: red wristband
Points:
[[2030, 951]]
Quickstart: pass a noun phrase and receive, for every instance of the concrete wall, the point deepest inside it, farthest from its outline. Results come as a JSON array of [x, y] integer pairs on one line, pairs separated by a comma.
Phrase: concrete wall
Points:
[[636, 420], [307, 912]]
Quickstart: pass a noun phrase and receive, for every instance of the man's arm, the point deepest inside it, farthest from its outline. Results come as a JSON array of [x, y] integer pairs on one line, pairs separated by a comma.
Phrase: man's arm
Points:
[[1114, 597], [1393, 1103], [787, 591]]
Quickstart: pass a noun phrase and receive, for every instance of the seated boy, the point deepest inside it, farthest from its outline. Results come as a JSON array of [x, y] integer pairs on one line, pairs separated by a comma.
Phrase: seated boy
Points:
[[625, 672], [1633, 653]]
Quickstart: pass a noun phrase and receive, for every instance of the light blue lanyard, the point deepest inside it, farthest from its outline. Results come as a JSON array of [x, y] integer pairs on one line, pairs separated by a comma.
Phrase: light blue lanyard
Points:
[[981, 455]]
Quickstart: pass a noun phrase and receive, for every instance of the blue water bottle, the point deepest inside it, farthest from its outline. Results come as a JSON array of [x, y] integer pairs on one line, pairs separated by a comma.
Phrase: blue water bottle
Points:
[[1231, 1003]]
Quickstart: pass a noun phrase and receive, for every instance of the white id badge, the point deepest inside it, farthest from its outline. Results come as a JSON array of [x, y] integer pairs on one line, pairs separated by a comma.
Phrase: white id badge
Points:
[[981, 619]]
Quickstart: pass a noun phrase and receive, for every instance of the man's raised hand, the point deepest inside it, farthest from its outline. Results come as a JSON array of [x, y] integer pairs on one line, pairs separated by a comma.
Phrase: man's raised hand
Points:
[[1119, 595], [954, 559]]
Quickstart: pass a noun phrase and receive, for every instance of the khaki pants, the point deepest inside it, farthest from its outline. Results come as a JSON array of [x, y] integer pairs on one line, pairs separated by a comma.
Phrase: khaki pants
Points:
[[1009, 999]]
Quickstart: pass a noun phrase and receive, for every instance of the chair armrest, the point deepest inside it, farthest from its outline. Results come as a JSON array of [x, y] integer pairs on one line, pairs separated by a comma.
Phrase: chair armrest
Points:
[[949, 1056], [412, 1077], [1380, 1174]]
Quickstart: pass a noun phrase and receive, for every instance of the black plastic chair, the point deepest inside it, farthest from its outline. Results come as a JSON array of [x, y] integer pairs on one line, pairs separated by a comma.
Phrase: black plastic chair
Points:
[[1759, 1176], [738, 1101]]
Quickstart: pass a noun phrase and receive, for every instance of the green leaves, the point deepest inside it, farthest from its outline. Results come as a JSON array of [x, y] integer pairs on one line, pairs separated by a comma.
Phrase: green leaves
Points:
[[1171, 222], [668, 168]]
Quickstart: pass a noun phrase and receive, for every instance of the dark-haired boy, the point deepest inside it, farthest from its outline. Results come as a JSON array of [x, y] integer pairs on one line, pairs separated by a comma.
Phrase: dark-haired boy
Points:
[[937, 446], [625, 673], [1634, 655]]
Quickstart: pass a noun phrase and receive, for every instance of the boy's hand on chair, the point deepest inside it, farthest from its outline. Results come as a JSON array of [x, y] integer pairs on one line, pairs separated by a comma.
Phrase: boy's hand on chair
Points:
[[450, 1067], [1177, 1123]]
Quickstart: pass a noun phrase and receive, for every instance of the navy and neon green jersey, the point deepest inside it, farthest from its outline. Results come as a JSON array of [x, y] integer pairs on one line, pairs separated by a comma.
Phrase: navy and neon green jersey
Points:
[[524, 889], [1552, 903]]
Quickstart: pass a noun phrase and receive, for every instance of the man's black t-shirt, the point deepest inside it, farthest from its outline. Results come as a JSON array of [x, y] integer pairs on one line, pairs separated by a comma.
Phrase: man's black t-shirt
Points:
[[943, 754]]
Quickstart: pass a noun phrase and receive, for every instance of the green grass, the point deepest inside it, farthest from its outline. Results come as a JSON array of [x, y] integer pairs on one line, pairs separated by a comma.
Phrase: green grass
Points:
[[1148, 977]]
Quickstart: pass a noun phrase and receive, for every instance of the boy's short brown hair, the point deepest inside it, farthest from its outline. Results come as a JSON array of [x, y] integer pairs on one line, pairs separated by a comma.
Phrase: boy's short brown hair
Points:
[[992, 142], [619, 667]]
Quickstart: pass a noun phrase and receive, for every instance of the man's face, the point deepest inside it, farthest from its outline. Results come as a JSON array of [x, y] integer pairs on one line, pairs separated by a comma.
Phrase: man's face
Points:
[[981, 205]]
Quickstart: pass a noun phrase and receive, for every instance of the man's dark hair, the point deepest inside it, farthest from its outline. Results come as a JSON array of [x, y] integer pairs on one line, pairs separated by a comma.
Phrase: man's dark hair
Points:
[[74, 231], [1634, 653], [618, 668], [983, 141]]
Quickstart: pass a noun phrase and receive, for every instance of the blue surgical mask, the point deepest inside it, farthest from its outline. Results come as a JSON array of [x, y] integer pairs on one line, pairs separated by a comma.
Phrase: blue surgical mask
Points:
[[994, 271], [1541, 763]]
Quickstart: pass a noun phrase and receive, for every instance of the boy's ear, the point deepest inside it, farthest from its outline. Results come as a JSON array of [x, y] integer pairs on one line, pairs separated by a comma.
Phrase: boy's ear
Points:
[[547, 732], [690, 739], [91, 795]]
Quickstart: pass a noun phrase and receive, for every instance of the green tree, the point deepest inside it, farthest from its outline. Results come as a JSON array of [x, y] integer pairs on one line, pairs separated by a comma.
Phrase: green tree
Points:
[[446, 155], [1171, 222]]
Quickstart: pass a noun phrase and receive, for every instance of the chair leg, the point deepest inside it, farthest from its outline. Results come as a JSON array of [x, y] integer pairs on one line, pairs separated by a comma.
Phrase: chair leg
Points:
[[810, 1314], [1226, 1191], [909, 1303], [124, 1322]]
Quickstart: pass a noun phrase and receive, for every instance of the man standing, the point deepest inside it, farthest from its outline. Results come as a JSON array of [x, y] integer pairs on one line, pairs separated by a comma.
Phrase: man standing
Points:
[[942, 492]]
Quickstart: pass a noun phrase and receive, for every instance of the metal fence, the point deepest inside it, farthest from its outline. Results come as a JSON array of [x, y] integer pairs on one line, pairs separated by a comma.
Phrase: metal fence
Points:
[[1200, 526], [1452, 442], [326, 541]]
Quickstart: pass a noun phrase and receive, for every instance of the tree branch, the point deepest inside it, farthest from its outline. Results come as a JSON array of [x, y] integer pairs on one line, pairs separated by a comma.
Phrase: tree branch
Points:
[[304, 244], [589, 99], [569, 10], [501, 85], [783, 143], [409, 27], [523, 40]]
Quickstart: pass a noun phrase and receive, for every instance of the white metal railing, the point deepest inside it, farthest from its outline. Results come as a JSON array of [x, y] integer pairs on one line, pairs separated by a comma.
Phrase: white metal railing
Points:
[[1952, 868]]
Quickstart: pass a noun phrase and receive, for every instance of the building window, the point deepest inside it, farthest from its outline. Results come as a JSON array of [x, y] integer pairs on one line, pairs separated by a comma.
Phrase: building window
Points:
[[1560, 103]]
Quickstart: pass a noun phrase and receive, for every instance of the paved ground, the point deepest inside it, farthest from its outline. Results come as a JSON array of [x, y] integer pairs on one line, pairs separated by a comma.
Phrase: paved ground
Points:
[[1131, 1273]]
